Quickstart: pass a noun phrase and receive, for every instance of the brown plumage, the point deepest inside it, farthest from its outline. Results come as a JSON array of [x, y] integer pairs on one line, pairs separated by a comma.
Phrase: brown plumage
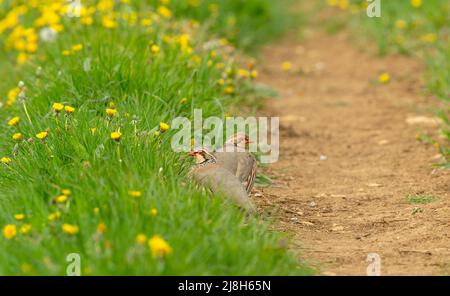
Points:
[[211, 174], [240, 163]]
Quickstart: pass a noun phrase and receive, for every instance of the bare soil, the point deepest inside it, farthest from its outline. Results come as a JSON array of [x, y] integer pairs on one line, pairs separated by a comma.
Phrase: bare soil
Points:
[[349, 159]]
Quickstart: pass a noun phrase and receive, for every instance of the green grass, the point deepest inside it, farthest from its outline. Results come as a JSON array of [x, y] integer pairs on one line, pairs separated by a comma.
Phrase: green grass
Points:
[[245, 23], [208, 236], [420, 199], [421, 32]]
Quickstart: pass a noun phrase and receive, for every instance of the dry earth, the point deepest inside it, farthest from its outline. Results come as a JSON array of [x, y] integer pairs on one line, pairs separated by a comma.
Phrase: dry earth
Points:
[[349, 158]]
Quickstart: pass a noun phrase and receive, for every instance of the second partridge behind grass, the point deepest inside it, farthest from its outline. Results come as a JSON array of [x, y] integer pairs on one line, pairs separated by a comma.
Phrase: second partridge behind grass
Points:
[[238, 161]]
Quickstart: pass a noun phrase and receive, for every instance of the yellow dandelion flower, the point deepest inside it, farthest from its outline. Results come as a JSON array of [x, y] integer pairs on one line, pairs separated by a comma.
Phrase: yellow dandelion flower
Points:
[[87, 20], [58, 107], [343, 4], [141, 239], [101, 228], [14, 121], [254, 74], [401, 24], [70, 229], [57, 27], [22, 58], [220, 82], [77, 47], [153, 212], [12, 95], [229, 90], [163, 127], [332, 3], [17, 137], [9, 231], [25, 229], [116, 136], [243, 73], [429, 38], [66, 53], [183, 100], [183, 39], [5, 160], [384, 77], [93, 130], [42, 135], [54, 216], [224, 42], [69, 109], [19, 217], [96, 211], [159, 247], [164, 12], [286, 66], [67, 192], [146, 22], [108, 22], [105, 5], [155, 49], [135, 194], [416, 3], [61, 199], [111, 112], [230, 72], [32, 47]]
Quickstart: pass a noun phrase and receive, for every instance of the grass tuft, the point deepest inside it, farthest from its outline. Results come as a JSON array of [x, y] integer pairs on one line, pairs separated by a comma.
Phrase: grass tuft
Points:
[[420, 199]]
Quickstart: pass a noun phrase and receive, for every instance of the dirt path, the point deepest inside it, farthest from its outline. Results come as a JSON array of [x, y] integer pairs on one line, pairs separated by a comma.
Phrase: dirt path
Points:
[[349, 159]]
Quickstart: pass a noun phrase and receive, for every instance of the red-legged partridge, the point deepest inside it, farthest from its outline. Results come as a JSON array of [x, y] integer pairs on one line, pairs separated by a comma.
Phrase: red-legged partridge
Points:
[[238, 161], [211, 174]]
